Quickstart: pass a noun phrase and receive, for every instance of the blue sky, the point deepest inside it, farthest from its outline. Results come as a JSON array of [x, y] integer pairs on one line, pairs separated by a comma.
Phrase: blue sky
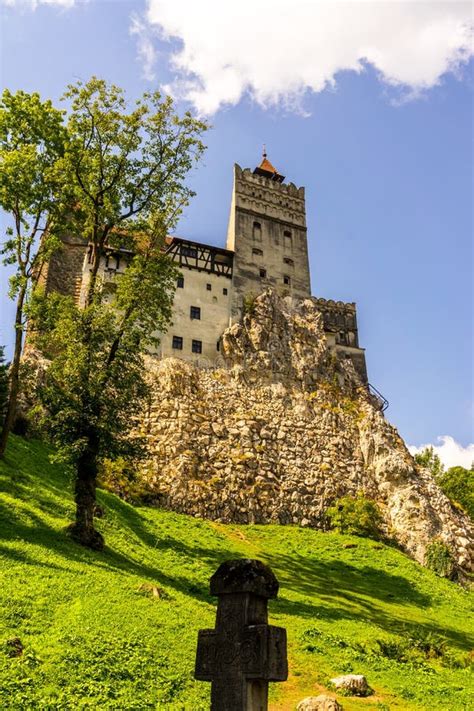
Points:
[[380, 137]]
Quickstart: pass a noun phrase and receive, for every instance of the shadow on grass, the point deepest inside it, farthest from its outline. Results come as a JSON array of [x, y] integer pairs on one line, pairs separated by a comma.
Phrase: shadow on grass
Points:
[[342, 591]]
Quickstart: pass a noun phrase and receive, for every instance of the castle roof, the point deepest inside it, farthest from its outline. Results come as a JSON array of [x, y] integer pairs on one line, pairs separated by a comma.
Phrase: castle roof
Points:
[[268, 170]]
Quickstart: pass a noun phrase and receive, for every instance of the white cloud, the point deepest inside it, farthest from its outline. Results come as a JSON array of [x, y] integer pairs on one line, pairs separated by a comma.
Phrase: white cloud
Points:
[[33, 4], [145, 49], [276, 50], [451, 453]]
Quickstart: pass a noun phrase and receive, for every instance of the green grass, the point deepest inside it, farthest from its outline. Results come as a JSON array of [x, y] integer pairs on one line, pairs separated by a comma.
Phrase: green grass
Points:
[[94, 637]]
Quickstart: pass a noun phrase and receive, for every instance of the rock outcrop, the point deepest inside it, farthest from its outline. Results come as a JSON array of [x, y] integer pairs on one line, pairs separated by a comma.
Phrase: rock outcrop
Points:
[[280, 429]]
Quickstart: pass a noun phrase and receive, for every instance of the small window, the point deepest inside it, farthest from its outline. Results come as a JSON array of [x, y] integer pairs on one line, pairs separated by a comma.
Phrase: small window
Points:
[[288, 240], [224, 291], [263, 273], [180, 282], [286, 279], [209, 287], [188, 251], [257, 251], [289, 261], [257, 231], [195, 312], [178, 343], [218, 346], [196, 346]]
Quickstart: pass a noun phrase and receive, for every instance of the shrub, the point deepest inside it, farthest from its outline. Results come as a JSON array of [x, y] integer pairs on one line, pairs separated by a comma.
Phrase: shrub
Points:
[[249, 304], [458, 485], [21, 425], [121, 477], [439, 559], [356, 515]]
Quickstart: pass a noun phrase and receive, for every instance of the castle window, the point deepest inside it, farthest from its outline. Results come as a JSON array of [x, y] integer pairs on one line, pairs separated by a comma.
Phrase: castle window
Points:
[[263, 273], [178, 343], [188, 251], [218, 346], [289, 261], [286, 280], [180, 282], [209, 287], [196, 346], [257, 252], [224, 291], [195, 312], [288, 240], [257, 232]]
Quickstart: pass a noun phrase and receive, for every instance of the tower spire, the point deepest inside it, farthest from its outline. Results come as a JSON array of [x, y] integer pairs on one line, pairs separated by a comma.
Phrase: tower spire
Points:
[[267, 169]]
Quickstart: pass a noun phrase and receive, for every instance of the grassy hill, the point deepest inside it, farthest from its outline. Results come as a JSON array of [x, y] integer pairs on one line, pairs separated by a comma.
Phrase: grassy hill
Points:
[[95, 636]]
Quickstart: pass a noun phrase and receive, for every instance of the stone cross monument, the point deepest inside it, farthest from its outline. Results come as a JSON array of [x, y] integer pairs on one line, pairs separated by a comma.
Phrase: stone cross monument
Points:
[[243, 653]]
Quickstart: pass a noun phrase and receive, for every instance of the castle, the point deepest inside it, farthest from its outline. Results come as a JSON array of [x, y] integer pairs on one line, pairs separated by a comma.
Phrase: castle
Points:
[[266, 249]]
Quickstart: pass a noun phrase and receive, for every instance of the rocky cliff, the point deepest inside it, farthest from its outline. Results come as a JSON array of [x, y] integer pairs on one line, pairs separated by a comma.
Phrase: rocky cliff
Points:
[[280, 430]]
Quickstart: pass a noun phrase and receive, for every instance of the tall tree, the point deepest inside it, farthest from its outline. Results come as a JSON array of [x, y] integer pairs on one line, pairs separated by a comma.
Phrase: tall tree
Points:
[[128, 170], [430, 460], [32, 140], [4, 384]]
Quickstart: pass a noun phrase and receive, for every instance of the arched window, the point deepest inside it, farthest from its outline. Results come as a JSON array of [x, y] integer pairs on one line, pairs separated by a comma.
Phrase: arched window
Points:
[[257, 232]]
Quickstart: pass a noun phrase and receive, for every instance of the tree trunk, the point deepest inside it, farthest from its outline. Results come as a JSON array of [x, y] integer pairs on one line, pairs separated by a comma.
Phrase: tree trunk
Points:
[[14, 373], [82, 530]]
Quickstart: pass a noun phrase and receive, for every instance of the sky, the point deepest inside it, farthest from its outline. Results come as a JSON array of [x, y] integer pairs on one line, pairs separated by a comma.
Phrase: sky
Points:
[[369, 105]]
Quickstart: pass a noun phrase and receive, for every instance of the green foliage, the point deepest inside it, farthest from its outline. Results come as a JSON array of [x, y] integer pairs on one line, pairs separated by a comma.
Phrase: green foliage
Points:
[[458, 484], [356, 515], [80, 391], [4, 384], [430, 460], [95, 636], [249, 304], [123, 478], [32, 143], [125, 174], [127, 164], [439, 559]]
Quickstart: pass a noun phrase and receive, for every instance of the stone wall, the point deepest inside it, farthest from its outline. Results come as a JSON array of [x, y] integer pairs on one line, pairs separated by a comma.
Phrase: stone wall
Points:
[[282, 429], [267, 232], [63, 273]]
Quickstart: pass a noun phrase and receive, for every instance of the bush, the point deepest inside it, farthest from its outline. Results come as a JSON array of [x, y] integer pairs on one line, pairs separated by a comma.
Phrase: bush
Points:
[[458, 485], [356, 515], [249, 304], [439, 559], [122, 478], [21, 425]]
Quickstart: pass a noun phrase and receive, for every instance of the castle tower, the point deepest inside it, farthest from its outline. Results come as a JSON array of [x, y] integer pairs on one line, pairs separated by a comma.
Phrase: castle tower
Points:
[[267, 233]]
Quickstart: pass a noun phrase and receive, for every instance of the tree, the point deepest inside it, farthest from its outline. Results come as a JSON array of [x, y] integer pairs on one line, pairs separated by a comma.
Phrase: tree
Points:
[[4, 385], [428, 459], [32, 140], [458, 484], [128, 172]]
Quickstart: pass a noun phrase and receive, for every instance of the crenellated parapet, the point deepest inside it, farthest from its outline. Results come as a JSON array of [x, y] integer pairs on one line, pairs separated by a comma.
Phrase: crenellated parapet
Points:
[[262, 195], [340, 327]]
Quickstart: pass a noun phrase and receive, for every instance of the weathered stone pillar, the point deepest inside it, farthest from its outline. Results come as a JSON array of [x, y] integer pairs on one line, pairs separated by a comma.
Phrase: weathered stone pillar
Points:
[[243, 653]]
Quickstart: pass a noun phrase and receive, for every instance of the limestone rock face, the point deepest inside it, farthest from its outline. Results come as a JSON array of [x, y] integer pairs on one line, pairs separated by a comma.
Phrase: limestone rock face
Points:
[[280, 430], [319, 703]]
